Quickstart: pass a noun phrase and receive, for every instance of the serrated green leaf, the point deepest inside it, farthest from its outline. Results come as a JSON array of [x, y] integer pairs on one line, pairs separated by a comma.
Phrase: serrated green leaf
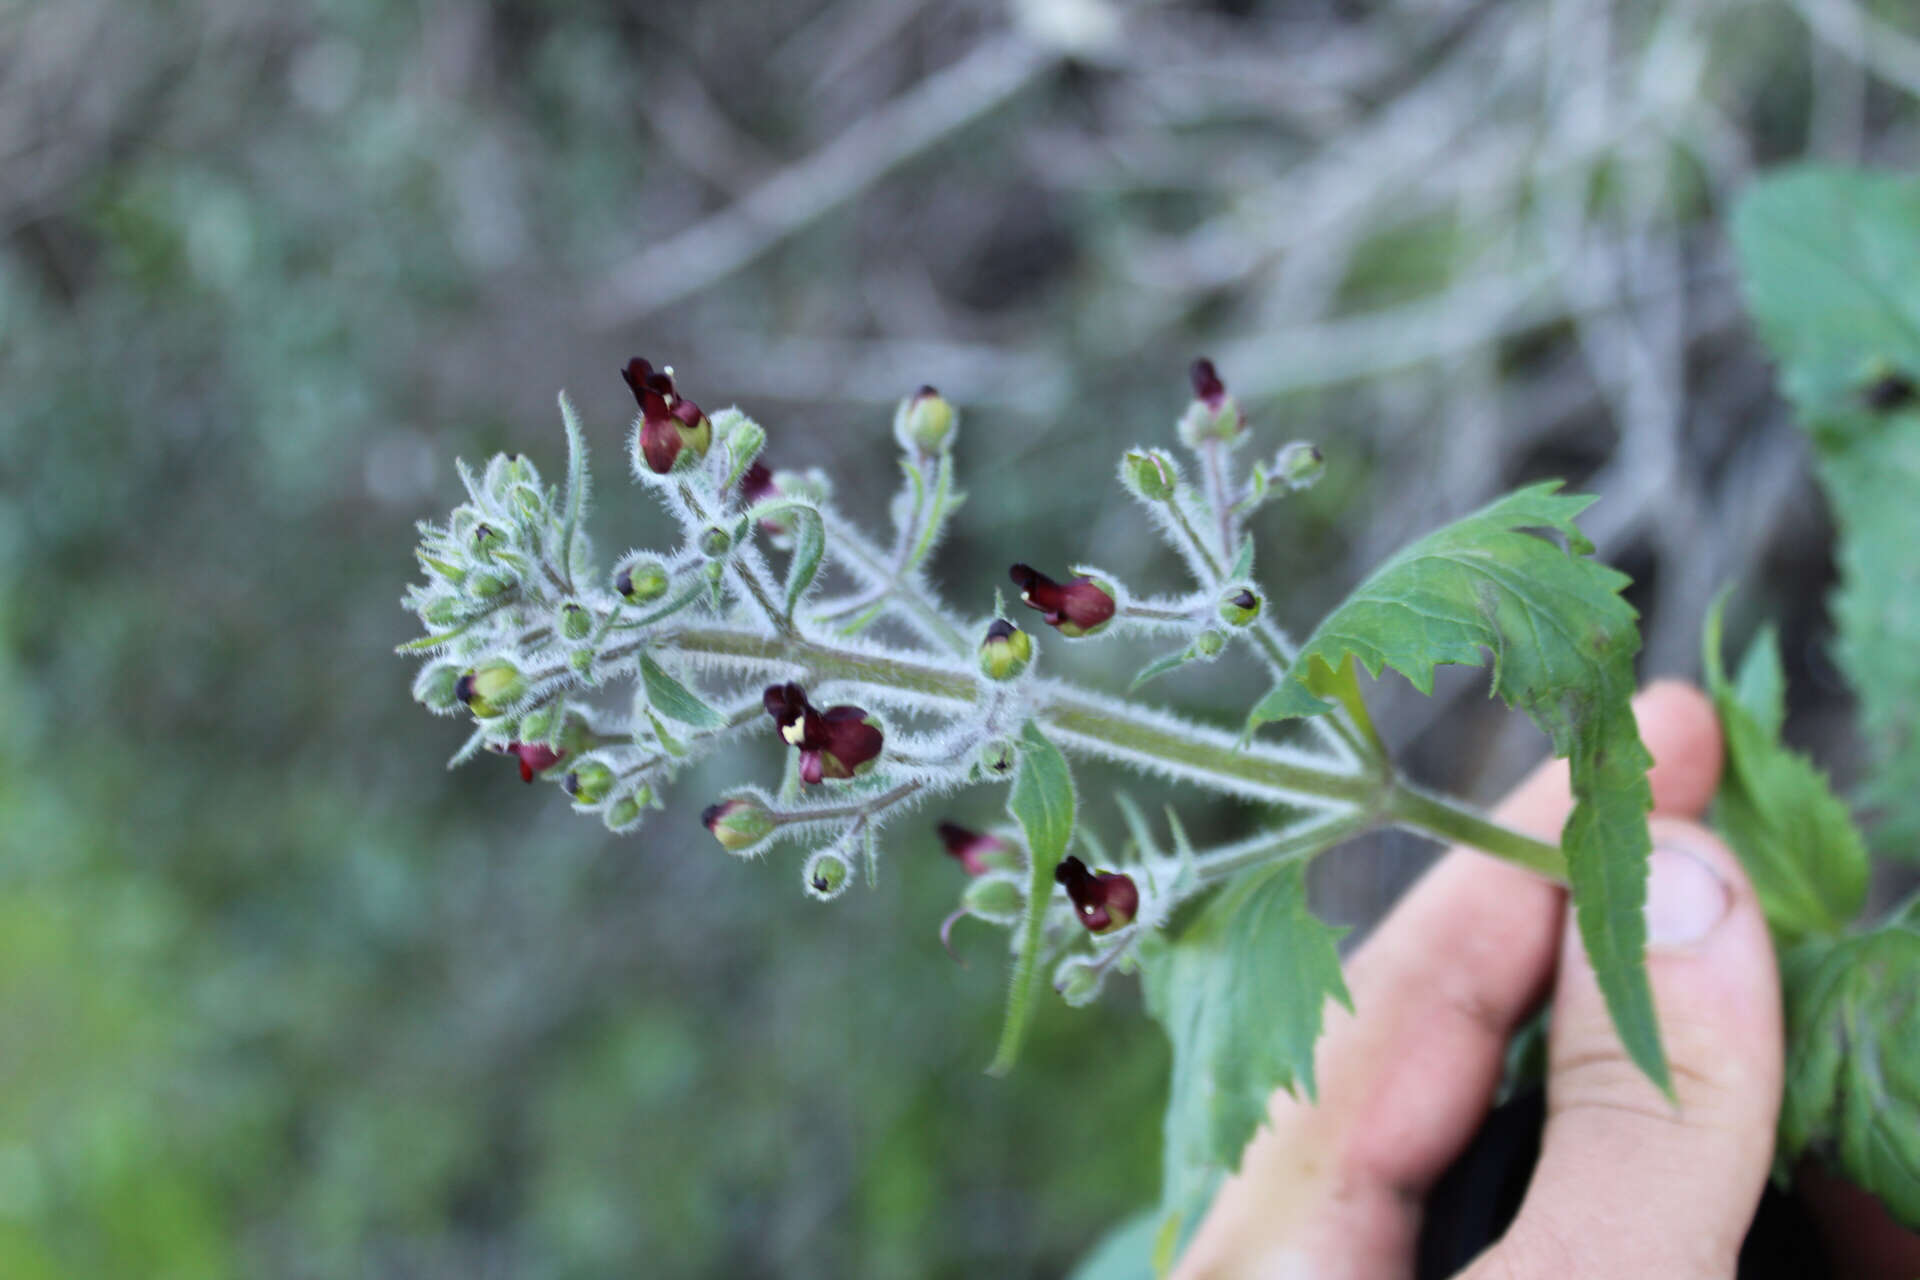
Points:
[[674, 700], [1241, 993], [1042, 802], [1853, 1062], [1794, 836], [1562, 643], [1831, 265]]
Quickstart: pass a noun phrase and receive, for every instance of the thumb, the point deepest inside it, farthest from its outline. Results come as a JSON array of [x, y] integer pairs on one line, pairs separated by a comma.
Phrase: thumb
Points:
[[1628, 1182]]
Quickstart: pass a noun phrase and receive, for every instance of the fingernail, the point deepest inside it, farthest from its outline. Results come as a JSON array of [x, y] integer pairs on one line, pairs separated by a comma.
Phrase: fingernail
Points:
[[1686, 897]]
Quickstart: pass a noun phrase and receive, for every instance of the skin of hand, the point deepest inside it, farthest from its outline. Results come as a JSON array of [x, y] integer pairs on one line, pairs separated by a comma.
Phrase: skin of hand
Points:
[[1628, 1184]]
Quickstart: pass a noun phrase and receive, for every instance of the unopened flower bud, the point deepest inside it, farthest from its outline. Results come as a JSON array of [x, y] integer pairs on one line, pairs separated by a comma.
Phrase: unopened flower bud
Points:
[[581, 660], [1209, 643], [827, 875], [642, 581], [1150, 474], [1214, 414], [1078, 979], [673, 433], [434, 687], [1102, 902], [739, 824], [977, 852], [442, 568], [1239, 606], [624, 814], [588, 782], [1300, 465], [530, 502], [1076, 608], [538, 724], [489, 690], [714, 542], [1006, 651], [924, 422], [487, 540], [575, 622], [997, 757]]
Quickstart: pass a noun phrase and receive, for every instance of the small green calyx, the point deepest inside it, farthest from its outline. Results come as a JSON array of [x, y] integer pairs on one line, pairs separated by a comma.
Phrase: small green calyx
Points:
[[1209, 643], [1006, 651], [1239, 606], [1150, 474], [997, 898], [924, 422], [575, 622], [1300, 465], [434, 688], [715, 543], [488, 586], [589, 782], [489, 690], [624, 814]]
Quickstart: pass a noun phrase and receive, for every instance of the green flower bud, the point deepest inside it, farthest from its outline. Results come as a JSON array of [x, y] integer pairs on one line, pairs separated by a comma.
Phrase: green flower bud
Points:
[[740, 824], [827, 875], [1006, 651], [588, 782], [441, 568], [435, 687], [995, 898], [1214, 414], [487, 540], [1078, 979], [575, 622], [1300, 465], [624, 814], [489, 690], [538, 724], [531, 503], [581, 660], [642, 581], [1209, 643], [997, 758], [1150, 474], [1239, 606], [714, 543], [924, 422]]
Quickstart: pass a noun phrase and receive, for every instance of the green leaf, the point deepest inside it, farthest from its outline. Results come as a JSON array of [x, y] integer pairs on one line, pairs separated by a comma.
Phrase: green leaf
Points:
[[674, 700], [1163, 664], [1562, 644], [1831, 263], [1243, 562], [576, 482], [1042, 802], [1794, 836], [1241, 994], [1853, 1061], [809, 543]]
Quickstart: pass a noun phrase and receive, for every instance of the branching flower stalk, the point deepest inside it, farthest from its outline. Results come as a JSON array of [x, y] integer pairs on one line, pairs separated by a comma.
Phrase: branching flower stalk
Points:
[[609, 683]]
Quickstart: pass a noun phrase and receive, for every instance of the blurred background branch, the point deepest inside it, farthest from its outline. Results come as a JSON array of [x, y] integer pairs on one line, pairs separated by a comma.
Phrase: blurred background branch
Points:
[[282, 998]]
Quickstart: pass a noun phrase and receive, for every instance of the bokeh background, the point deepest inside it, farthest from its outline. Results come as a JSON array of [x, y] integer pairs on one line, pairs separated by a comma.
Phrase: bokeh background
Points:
[[280, 997]]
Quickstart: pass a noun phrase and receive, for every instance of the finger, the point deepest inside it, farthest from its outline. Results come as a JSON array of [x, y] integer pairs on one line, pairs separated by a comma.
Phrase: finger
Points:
[[1438, 990], [1642, 1185]]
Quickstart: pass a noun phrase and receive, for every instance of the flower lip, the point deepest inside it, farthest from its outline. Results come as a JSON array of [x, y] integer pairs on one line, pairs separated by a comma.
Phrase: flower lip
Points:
[[1075, 608], [1102, 902], [1207, 387], [668, 421]]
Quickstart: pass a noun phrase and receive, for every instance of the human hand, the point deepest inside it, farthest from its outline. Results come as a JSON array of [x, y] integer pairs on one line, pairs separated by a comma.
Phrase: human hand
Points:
[[1627, 1183]]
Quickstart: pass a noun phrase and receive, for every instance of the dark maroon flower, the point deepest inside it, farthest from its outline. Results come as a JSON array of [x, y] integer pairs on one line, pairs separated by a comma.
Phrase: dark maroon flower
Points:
[[757, 485], [535, 757], [1207, 387], [836, 743], [668, 421], [1075, 609], [976, 852], [1103, 902]]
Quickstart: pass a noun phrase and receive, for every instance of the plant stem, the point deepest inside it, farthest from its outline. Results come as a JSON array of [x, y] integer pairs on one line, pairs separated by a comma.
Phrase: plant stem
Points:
[[1419, 810]]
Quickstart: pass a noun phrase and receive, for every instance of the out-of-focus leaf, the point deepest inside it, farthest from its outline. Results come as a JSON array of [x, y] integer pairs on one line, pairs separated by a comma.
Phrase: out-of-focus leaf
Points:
[[1831, 266], [1241, 994], [1562, 643], [1794, 836], [1853, 1061], [1124, 1253]]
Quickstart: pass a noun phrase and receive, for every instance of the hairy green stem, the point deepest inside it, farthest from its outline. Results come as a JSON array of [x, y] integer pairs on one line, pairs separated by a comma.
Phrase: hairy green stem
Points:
[[1419, 810]]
